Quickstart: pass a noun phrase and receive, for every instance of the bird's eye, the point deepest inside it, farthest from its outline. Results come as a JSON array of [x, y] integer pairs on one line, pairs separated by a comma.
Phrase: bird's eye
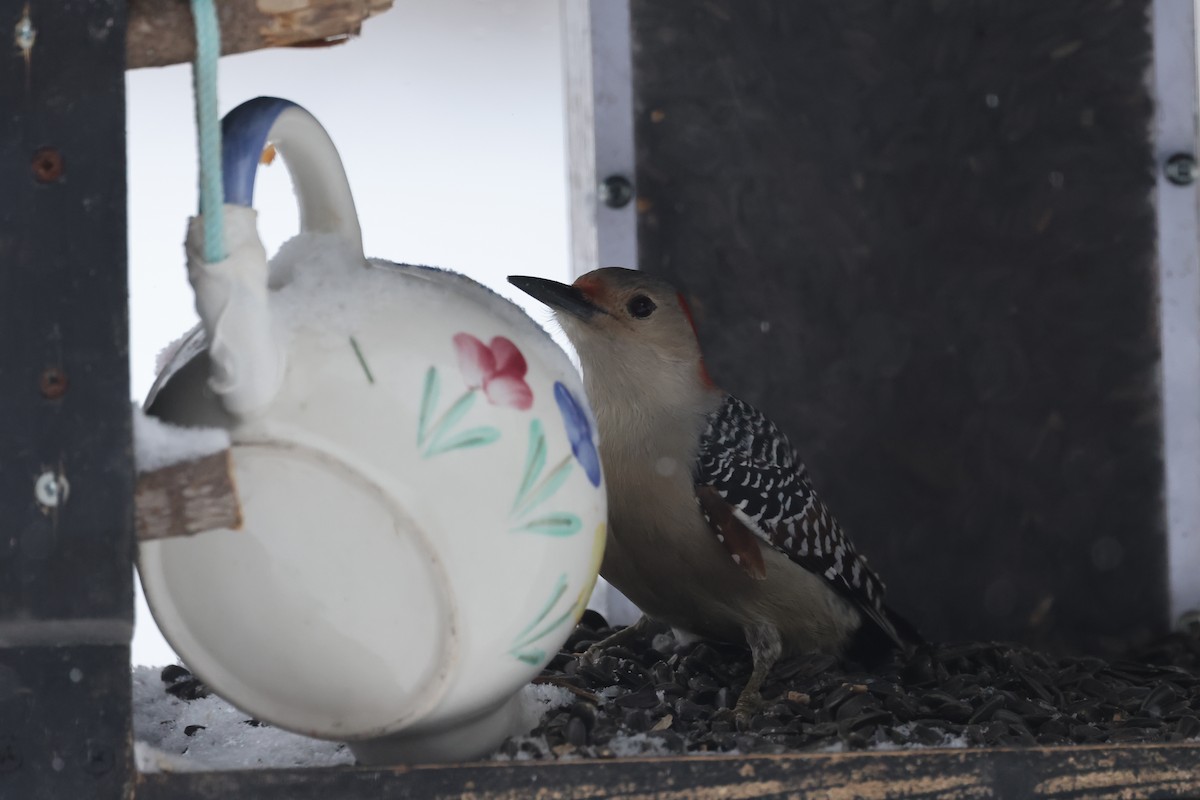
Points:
[[641, 306]]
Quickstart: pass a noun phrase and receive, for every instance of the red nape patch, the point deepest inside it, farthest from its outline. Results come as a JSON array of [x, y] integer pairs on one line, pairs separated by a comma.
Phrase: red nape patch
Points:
[[593, 288], [705, 378]]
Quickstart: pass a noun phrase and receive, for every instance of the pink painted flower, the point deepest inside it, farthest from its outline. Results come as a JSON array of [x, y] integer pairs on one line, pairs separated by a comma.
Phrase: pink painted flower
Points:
[[499, 369]]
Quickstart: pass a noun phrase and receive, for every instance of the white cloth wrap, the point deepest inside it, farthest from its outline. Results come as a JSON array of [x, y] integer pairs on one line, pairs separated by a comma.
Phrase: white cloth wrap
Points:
[[245, 345]]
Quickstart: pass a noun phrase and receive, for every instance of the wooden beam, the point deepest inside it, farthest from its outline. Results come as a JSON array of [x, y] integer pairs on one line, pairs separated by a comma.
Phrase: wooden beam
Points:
[[600, 145], [187, 498], [66, 484], [161, 32], [1037, 772]]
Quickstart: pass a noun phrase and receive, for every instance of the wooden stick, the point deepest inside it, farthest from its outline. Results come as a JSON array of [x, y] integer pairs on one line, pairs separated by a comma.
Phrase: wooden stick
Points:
[[187, 498], [161, 32]]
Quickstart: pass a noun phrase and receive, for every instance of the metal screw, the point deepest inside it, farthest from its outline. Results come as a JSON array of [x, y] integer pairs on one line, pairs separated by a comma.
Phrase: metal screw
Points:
[[51, 490], [24, 35], [616, 191], [1180, 169], [53, 383], [47, 165]]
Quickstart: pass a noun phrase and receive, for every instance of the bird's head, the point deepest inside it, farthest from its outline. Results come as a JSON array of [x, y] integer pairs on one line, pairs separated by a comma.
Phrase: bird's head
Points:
[[622, 321]]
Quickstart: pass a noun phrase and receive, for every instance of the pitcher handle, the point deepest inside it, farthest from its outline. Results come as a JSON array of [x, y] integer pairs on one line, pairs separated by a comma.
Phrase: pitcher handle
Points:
[[312, 161], [247, 354]]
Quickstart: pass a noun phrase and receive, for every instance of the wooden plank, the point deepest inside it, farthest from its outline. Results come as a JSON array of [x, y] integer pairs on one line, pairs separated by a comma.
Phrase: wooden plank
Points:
[[66, 469], [161, 31], [1148, 771], [599, 133], [187, 498], [581, 134], [64, 722], [66, 485], [921, 238]]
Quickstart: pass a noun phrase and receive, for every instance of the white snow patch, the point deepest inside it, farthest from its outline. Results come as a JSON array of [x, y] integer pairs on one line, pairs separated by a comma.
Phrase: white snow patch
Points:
[[638, 744], [608, 692], [883, 743], [537, 700], [948, 740], [157, 444], [173, 349], [530, 748], [150, 759], [230, 739], [227, 740]]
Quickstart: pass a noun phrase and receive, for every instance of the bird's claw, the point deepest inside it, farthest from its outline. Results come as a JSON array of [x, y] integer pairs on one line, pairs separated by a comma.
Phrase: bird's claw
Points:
[[591, 655], [749, 704]]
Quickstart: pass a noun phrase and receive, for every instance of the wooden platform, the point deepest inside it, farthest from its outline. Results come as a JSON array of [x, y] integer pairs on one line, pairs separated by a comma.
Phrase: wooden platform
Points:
[[1150, 771]]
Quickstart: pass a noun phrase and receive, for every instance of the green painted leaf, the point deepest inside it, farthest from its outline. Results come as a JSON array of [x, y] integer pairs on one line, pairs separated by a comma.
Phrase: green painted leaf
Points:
[[553, 525], [362, 360], [556, 594], [448, 421], [429, 399], [474, 437], [525, 638], [546, 629], [547, 487], [531, 657], [535, 460]]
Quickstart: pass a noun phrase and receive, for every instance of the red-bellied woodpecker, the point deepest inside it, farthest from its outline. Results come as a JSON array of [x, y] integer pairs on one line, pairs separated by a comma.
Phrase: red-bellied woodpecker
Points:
[[714, 526]]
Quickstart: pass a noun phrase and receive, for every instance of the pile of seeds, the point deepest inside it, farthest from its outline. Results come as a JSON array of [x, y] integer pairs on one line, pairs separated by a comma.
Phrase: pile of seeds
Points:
[[657, 697]]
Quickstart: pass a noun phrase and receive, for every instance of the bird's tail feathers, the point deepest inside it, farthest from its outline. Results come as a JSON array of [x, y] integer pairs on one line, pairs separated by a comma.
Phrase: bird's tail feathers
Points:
[[881, 634]]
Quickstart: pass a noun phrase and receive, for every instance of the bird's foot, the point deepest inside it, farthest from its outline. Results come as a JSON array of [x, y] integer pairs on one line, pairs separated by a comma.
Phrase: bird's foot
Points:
[[748, 704], [621, 638], [765, 648], [593, 653]]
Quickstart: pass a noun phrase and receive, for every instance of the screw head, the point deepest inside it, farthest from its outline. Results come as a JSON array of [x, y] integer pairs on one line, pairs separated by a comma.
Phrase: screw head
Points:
[[24, 35], [1180, 169], [47, 165], [616, 191], [51, 489], [53, 383]]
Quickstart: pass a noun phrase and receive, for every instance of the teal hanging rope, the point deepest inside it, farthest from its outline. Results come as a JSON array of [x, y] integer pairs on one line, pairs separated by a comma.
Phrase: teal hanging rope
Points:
[[208, 126]]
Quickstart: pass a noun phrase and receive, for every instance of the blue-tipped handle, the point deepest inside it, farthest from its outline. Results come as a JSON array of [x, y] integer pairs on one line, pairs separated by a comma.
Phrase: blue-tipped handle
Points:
[[244, 133], [322, 191]]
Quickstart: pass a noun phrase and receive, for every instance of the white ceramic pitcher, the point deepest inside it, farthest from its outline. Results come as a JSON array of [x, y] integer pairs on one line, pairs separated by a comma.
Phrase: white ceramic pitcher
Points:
[[423, 503]]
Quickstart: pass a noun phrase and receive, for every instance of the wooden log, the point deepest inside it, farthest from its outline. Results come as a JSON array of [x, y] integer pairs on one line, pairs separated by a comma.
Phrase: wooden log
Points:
[[1109, 772], [161, 32], [187, 498]]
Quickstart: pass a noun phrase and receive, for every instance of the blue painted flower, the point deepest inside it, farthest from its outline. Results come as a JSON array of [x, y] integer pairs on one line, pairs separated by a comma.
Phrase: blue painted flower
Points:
[[579, 432]]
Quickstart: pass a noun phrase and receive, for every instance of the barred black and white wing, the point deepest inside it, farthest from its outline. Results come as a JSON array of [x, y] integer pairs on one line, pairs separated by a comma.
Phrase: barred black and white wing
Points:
[[748, 475]]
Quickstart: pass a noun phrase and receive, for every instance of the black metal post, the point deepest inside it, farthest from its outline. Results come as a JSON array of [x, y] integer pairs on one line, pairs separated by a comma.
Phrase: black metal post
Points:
[[66, 477]]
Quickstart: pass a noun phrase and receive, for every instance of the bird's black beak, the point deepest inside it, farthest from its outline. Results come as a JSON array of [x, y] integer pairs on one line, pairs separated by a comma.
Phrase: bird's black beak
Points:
[[558, 296]]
